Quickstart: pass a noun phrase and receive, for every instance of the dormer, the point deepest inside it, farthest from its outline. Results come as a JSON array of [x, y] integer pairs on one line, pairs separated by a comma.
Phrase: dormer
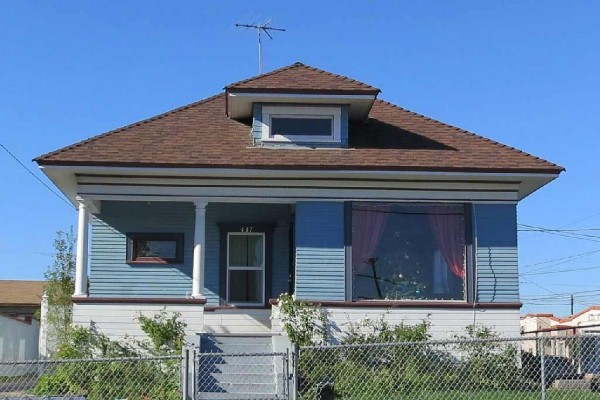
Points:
[[300, 106]]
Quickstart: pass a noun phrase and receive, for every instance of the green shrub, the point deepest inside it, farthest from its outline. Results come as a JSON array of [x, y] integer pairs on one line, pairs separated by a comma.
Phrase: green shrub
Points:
[[132, 380], [381, 331], [487, 363], [166, 333], [304, 323]]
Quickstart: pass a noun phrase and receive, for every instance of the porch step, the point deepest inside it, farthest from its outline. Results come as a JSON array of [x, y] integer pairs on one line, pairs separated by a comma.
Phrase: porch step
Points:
[[217, 339], [222, 368], [251, 378], [237, 348], [238, 396], [238, 367]]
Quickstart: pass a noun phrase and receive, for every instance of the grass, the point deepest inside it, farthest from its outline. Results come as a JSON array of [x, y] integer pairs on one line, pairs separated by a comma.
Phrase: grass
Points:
[[15, 378], [478, 395]]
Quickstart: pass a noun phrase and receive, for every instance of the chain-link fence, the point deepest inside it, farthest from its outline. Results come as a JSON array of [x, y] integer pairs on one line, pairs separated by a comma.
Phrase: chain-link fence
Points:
[[148, 378], [453, 370]]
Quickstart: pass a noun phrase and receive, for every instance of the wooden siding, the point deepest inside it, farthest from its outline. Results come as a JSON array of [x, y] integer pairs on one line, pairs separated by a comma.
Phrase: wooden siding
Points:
[[257, 122], [320, 251], [496, 253], [111, 276], [444, 322], [220, 213], [344, 126], [117, 320]]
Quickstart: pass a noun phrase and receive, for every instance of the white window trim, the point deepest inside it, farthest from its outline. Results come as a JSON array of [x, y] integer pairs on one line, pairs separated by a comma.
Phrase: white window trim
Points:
[[246, 268], [298, 112]]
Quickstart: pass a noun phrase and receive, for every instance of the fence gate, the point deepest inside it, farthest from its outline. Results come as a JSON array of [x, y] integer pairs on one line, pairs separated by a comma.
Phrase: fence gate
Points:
[[242, 376]]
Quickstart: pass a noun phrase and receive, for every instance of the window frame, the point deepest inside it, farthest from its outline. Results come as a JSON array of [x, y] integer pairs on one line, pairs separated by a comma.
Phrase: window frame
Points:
[[178, 238], [298, 112], [262, 268], [470, 280]]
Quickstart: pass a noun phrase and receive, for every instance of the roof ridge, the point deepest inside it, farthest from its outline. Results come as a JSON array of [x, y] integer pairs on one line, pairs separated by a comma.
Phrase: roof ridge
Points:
[[122, 128], [275, 71], [470, 133], [298, 64], [593, 307]]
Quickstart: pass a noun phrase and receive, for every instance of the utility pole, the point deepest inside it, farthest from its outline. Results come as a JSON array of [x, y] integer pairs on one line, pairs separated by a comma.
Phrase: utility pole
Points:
[[260, 29], [572, 304]]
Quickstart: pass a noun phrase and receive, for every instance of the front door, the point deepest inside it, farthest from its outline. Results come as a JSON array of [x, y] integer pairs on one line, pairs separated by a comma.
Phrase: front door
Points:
[[245, 268], [245, 273]]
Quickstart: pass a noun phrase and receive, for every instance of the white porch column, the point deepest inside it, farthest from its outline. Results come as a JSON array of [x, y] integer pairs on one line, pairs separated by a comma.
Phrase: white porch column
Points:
[[199, 250], [81, 257]]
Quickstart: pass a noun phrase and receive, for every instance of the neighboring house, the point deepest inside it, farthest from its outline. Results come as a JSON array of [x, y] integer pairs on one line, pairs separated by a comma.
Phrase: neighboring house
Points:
[[584, 322], [583, 326], [21, 299], [301, 181], [19, 331]]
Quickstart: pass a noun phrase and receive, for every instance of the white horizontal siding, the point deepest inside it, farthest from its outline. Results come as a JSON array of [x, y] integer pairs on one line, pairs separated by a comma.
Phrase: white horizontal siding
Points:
[[118, 320], [444, 322]]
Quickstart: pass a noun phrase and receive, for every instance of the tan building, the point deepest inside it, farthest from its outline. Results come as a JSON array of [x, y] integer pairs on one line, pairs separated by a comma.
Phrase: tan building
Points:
[[585, 322], [20, 299]]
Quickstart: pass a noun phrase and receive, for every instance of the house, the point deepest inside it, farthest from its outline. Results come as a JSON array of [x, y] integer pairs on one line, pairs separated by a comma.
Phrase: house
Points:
[[298, 180], [19, 330], [21, 299], [560, 329]]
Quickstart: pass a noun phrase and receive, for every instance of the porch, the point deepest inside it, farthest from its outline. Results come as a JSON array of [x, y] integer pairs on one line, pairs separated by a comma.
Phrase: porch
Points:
[[218, 264]]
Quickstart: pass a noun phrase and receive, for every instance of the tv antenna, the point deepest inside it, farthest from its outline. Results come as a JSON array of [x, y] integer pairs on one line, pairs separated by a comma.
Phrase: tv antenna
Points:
[[260, 29]]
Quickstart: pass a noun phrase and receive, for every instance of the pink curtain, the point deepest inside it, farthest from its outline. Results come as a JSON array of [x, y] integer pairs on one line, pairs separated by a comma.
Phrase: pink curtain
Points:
[[449, 230], [368, 222]]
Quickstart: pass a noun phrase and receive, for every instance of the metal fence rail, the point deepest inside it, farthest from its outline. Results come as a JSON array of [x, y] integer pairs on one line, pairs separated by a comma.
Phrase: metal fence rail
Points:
[[453, 370], [93, 379]]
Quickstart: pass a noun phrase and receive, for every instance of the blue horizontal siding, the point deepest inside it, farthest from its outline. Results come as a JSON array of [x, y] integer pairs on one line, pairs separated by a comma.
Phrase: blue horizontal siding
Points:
[[320, 253], [496, 253], [111, 276], [257, 122]]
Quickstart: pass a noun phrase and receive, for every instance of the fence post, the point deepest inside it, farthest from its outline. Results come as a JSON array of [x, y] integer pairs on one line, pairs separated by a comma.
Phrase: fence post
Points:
[[295, 378], [186, 374], [542, 349]]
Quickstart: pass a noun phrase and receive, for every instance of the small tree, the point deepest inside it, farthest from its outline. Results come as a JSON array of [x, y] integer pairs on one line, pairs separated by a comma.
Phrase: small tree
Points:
[[60, 283]]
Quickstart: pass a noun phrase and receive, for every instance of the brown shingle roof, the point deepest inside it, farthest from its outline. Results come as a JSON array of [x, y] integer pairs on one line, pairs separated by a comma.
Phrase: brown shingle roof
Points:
[[21, 292], [302, 78], [201, 135]]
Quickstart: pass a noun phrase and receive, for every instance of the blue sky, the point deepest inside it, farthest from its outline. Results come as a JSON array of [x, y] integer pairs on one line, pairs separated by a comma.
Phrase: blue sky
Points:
[[524, 73]]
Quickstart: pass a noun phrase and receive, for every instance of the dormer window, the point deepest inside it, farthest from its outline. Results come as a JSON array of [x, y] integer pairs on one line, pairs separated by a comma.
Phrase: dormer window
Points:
[[301, 124]]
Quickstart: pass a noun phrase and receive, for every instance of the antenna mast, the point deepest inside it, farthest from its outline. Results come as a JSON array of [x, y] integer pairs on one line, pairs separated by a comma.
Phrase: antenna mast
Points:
[[260, 29]]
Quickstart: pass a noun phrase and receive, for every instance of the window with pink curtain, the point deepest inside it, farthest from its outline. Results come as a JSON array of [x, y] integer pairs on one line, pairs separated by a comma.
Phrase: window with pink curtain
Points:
[[408, 251]]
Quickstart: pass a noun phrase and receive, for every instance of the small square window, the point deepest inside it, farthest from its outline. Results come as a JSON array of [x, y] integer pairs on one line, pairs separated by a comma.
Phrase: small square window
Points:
[[155, 248]]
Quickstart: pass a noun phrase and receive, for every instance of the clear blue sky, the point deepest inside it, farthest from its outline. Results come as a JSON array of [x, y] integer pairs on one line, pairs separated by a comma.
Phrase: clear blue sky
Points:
[[524, 73]]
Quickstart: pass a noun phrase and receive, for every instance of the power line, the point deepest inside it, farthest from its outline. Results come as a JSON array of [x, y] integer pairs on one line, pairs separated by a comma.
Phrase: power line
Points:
[[562, 260], [35, 176], [549, 301], [559, 271], [557, 296], [557, 232]]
